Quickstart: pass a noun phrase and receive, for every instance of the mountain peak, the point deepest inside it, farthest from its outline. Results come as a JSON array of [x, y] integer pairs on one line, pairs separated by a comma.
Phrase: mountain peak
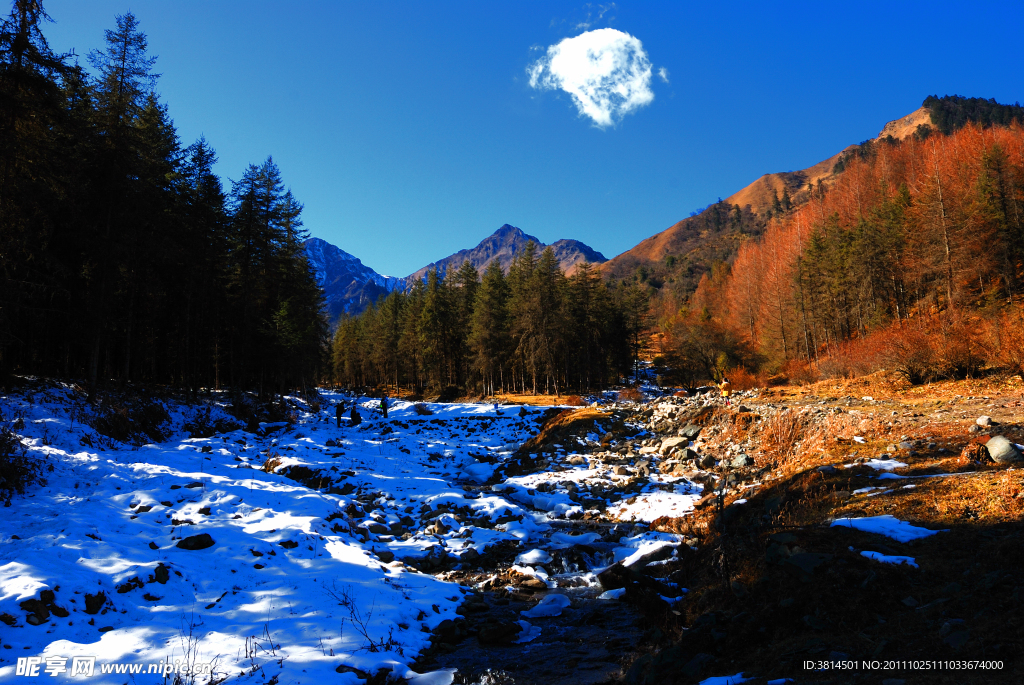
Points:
[[503, 245]]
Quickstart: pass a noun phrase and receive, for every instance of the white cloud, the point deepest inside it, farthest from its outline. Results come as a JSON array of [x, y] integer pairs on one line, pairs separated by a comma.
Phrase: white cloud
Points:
[[663, 73], [606, 72]]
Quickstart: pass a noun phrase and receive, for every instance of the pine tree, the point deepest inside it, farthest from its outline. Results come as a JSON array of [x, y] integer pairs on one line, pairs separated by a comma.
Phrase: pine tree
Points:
[[489, 328], [31, 180]]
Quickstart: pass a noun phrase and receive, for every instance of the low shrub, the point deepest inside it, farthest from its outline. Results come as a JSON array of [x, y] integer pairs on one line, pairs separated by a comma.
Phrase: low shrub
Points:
[[1006, 340], [422, 409], [630, 395], [574, 401], [741, 379], [946, 345], [800, 372]]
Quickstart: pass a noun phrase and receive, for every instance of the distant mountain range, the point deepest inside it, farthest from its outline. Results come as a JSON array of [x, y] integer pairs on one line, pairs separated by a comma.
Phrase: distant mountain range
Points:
[[350, 286]]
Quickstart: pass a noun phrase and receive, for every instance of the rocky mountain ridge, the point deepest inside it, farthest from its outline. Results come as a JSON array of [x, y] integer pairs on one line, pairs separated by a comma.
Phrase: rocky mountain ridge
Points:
[[350, 286], [504, 244]]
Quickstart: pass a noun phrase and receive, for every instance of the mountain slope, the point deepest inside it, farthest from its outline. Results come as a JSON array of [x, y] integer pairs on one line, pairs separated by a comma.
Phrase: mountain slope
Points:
[[349, 285], [683, 252], [504, 244]]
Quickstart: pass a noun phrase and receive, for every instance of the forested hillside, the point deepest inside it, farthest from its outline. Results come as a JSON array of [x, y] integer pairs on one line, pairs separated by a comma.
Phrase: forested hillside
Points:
[[952, 112], [534, 330], [672, 262], [912, 259], [121, 254]]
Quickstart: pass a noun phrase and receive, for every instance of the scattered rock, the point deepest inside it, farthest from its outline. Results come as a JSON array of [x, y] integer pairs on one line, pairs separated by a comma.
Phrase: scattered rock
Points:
[[129, 585], [668, 445], [93, 603], [741, 461], [804, 564], [533, 584], [37, 611], [196, 542], [985, 421], [362, 675], [690, 431], [498, 632], [450, 632]]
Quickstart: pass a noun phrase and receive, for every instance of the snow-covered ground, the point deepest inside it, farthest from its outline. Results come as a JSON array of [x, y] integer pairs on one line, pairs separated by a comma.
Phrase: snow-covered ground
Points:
[[305, 572]]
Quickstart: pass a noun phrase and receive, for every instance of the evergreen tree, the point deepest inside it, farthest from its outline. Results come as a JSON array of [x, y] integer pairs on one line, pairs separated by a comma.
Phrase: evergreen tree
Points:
[[489, 329]]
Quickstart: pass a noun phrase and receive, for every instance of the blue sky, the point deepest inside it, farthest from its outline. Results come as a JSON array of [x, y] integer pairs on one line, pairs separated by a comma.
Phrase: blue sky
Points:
[[410, 130]]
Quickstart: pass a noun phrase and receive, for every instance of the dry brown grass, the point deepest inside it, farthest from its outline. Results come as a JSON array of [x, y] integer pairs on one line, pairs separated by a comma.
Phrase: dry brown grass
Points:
[[779, 435], [531, 400]]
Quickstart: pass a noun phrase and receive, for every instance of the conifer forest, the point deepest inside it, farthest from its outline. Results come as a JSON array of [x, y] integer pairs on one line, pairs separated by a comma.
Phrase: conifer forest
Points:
[[122, 255]]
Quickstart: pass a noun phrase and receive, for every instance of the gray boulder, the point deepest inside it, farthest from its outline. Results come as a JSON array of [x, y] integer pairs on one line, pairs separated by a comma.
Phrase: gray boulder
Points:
[[690, 431], [670, 444], [1002, 450]]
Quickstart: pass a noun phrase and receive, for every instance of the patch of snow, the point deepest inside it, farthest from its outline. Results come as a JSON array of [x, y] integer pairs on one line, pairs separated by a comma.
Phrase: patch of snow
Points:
[[879, 464], [529, 633], [725, 680], [534, 556], [552, 605], [889, 559], [887, 525]]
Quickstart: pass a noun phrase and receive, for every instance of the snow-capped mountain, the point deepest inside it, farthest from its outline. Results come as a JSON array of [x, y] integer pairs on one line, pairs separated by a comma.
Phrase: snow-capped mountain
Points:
[[349, 285]]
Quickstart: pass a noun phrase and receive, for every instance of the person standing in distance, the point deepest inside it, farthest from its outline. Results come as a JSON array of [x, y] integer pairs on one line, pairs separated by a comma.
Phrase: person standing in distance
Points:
[[726, 387]]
